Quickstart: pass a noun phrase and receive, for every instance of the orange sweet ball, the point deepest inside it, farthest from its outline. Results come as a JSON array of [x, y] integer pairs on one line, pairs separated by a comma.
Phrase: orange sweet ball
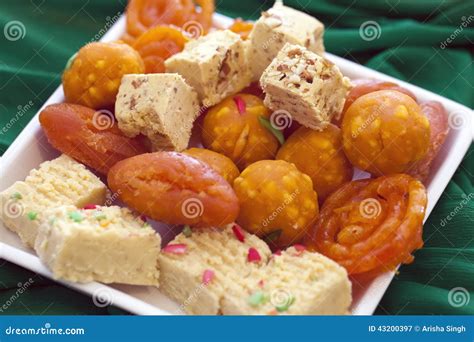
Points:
[[277, 202], [94, 76], [318, 154], [385, 132], [233, 128]]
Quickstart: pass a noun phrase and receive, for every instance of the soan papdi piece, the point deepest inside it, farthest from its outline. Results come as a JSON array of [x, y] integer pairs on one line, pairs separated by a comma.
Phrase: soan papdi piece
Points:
[[231, 272], [309, 87], [215, 65], [280, 25], [106, 244], [57, 182], [162, 107]]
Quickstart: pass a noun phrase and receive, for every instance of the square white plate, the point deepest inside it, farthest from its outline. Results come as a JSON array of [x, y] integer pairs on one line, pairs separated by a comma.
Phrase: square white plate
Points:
[[31, 148]]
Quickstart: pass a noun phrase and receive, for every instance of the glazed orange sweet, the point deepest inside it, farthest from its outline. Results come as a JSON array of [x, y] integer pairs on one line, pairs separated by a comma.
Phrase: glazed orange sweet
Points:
[[220, 163], [94, 76], [370, 226], [385, 132], [158, 44], [89, 136], [174, 188], [243, 28], [439, 124], [145, 14], [234, 128], [365, 86], [318, 154], [277, 202]]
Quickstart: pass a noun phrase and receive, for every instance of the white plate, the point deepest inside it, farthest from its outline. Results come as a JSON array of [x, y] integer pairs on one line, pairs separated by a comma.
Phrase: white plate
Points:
[[31, 148]]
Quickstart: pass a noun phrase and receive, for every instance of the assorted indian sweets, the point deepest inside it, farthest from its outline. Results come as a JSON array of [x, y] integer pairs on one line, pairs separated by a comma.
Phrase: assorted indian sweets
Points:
[[248, 138]]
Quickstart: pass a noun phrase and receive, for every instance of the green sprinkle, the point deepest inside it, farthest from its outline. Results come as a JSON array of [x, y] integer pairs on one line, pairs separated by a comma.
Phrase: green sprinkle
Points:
[[276, 132], [272, 237], [99, 216], [52, 220], [286, 306], [257, 299], [16, 196], [146, 224], [32, 215], [70, 60], [187, 231], [75, 216]]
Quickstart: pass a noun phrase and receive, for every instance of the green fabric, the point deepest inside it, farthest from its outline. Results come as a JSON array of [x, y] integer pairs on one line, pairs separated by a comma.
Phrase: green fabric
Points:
[[409, 48]]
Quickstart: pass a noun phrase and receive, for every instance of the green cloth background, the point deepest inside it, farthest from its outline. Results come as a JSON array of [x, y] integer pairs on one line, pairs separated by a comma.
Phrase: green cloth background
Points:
[[408, 48]]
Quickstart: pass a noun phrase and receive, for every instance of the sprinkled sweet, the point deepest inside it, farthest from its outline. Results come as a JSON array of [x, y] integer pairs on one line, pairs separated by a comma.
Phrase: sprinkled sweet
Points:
[[179, 248]]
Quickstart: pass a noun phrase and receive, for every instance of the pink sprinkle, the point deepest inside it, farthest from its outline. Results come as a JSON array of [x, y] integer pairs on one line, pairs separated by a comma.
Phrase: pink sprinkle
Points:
[[207, 276], [261, 283], [253, 255], [178, 248], [299, 248], [240, 103], [143, 218], [238, 232], [277, 252], [90, 207]]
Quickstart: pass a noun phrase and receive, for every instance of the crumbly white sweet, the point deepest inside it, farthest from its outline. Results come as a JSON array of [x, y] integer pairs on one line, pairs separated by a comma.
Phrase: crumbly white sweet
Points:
[[309, 87], [162, 107], [280, 25], [295, 282], [215, 65], [57, 182], [106, 244]]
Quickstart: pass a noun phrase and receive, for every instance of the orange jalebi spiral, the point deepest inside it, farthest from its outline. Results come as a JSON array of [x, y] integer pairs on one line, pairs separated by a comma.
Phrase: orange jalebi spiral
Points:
[[157, 44], [145, 14], [371, 225]]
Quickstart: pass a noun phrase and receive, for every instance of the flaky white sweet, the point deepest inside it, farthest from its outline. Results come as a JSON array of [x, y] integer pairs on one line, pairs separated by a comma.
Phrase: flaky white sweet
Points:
[[278, 26], [215, 65], [106, 244], [310, 88], [162, 107], [57, 182], [216, 271]]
